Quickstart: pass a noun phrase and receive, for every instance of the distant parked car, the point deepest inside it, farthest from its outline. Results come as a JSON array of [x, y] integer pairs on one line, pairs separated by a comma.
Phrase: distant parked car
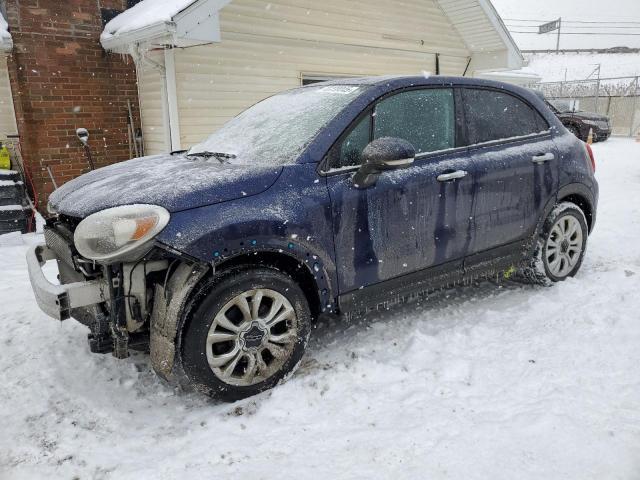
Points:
[[580, 122], [329, 199]]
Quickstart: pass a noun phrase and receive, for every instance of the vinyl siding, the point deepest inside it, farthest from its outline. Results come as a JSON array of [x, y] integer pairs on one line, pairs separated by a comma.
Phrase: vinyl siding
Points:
[[472, 22], [151, 97], [268, 45], [7, 115]]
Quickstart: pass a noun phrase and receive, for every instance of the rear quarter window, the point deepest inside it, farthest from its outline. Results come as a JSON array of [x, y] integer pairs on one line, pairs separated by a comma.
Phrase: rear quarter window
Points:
[[492, 115]]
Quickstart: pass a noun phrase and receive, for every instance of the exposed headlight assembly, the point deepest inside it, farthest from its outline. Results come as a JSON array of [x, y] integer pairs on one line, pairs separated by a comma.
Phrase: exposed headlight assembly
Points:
[[119, 233]]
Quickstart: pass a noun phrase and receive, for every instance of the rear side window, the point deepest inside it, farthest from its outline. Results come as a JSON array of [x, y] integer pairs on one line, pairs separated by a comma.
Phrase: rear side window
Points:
[[492, 115], [423, 117]]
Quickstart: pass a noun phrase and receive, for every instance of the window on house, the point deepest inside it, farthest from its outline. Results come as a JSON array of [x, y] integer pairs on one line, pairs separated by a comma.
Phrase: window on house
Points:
[[311, 79]]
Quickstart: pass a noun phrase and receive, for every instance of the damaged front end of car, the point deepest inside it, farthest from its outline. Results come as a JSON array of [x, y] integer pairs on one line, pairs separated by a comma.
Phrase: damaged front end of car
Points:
[[116, 279]]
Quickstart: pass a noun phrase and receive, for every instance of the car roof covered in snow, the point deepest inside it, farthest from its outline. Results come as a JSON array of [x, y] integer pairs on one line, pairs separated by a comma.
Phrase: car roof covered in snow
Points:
[[399, 81], [382, 85], [387, 83]]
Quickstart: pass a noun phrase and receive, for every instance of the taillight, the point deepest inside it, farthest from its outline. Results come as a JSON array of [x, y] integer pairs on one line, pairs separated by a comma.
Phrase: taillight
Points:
[[591, 157]]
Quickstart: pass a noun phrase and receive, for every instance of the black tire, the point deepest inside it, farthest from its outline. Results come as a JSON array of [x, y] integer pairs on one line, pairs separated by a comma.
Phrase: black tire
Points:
[[576, 131], [214, 295], [540, 268]]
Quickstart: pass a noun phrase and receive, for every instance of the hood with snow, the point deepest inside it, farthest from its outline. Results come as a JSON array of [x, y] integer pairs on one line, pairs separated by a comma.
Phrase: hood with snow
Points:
[[175, 182], [590, 115]]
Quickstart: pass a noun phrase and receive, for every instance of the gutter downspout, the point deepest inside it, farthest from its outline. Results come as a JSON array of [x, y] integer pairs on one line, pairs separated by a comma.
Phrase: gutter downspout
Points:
[[172, 98], [169, 99]]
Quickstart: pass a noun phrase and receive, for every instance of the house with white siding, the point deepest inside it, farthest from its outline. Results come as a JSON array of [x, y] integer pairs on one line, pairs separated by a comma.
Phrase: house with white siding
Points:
[[201, 62], [7, 114]]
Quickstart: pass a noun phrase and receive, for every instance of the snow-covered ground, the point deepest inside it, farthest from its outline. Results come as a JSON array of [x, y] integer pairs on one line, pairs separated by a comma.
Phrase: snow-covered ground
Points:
[[483, 382]]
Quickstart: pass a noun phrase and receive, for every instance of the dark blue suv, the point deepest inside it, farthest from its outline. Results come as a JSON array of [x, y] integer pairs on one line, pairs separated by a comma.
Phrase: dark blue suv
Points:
[[333, 198]]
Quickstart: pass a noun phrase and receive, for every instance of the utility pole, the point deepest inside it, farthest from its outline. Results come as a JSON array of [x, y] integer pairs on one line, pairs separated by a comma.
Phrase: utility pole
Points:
[[596, 71], [558, 40]]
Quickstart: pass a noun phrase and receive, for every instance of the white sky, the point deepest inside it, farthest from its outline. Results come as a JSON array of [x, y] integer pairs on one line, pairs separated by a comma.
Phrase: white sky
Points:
[[583, 10]]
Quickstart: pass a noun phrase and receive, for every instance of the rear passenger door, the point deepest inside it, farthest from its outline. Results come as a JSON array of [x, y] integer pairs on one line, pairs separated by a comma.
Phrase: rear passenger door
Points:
[[516, 167]]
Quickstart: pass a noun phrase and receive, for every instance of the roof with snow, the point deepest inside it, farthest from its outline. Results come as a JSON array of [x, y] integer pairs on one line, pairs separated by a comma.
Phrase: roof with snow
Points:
[[6, 43], [180, 23], [192, 22], [553, 67]]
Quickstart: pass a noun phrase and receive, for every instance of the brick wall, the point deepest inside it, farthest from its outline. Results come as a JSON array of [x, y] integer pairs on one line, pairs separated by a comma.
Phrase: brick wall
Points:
[[62, 79]]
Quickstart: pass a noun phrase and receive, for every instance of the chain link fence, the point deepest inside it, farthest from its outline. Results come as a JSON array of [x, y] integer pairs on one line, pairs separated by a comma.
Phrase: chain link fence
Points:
[[617, 98]]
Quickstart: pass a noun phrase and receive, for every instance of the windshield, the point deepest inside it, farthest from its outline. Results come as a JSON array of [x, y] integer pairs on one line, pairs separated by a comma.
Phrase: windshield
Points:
[[276, 130], [561, 105]]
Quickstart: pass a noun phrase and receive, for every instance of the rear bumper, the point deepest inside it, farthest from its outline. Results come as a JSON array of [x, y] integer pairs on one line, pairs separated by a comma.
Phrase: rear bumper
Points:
[[57, 301]]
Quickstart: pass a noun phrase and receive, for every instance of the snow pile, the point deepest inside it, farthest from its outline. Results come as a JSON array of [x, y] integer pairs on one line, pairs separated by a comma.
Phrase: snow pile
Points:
[[144, 14], [578, 66], [5, 36], [488, 381]]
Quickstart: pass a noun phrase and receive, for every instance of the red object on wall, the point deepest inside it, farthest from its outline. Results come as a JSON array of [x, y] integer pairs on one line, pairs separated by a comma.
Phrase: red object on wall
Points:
[[61, 80]]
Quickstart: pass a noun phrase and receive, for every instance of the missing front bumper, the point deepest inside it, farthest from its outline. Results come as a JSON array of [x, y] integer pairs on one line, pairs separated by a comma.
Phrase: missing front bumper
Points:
[[57, 301]]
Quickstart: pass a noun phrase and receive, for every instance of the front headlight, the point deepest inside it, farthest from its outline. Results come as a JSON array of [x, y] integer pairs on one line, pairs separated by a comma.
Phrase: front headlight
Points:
[[590, 122], [119, 232]]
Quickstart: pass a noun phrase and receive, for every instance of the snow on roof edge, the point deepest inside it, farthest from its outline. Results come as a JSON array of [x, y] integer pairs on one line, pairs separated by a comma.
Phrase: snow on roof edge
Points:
[[6, 43], [146, 14]]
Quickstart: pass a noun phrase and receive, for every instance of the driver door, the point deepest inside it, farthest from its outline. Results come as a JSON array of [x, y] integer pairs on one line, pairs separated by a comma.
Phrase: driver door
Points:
[[409, 220]]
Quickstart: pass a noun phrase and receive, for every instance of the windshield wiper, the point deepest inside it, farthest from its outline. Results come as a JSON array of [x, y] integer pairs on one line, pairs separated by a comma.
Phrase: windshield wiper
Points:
[[222, 157]]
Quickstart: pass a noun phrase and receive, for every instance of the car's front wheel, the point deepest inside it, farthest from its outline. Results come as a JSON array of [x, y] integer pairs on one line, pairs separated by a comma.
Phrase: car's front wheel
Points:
[[247, 334], [576, 131], [561, 245]]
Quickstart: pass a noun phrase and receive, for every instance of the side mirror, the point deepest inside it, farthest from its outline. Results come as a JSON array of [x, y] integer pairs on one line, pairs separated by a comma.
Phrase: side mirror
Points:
[[386, 153]]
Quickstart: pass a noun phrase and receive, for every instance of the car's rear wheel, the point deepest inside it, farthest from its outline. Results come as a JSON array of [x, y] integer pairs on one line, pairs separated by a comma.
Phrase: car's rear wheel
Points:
[[247, 334], [561, 246]]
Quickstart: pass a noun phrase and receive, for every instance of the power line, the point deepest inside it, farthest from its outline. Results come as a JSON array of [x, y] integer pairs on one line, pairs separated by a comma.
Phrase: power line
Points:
[[576, 26], [568, 21], [584, 33]]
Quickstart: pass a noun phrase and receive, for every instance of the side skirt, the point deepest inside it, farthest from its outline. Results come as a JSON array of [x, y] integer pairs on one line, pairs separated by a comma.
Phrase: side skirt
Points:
[[418, 285]]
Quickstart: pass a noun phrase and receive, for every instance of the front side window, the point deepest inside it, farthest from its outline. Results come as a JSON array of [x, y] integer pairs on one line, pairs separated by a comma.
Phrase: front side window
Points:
[[353, 144], [425, 118], [492, 115]]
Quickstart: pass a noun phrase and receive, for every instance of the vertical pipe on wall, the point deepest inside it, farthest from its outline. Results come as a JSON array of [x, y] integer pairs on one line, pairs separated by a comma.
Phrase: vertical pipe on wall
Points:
[[142, 60], [172, 98]]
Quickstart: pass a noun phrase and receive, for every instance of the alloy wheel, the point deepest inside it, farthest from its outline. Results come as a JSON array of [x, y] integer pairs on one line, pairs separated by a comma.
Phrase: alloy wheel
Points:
[[251, 337], [564, 246]]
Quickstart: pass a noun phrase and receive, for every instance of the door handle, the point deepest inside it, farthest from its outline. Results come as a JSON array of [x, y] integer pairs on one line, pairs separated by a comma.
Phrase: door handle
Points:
[[447, 177], [546, 157]]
